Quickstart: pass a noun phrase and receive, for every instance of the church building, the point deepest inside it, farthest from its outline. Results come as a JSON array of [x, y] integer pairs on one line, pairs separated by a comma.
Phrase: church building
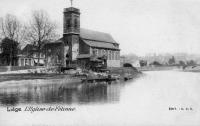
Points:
[[80, 46]]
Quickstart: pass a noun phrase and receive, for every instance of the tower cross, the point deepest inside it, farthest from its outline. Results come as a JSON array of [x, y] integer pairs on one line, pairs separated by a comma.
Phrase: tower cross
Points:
[[71, 2]]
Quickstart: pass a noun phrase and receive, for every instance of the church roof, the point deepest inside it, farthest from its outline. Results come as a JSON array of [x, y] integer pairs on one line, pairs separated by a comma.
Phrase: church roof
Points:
[[94, 39], [95, 35], [99, 44]]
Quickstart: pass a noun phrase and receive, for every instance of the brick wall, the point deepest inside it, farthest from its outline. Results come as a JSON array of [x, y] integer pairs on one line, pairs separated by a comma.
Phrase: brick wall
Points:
[[83, 48]]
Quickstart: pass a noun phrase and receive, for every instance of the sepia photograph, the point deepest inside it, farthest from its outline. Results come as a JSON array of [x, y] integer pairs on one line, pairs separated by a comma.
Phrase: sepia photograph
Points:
[[99, 62]]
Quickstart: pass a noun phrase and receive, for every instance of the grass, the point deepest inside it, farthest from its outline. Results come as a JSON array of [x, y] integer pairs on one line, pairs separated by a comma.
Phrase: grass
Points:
[[30, 76]]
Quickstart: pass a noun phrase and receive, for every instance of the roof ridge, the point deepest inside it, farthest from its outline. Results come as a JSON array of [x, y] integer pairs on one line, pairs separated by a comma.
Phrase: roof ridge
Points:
[[97, 40], [94, 31], [96, 35]]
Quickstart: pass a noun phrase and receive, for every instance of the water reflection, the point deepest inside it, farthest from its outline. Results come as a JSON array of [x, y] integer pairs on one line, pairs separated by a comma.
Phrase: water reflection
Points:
[[60, 93]]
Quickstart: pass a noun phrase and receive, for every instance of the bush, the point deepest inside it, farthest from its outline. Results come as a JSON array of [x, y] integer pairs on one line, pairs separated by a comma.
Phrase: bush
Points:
[[127, 65]]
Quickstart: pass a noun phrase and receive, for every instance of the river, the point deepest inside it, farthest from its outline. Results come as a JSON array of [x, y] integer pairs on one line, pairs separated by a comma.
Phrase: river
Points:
[[167, 98]]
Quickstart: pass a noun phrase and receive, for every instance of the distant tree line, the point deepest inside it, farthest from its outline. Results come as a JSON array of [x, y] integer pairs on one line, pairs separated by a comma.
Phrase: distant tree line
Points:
[[14, 33], [172, 61]]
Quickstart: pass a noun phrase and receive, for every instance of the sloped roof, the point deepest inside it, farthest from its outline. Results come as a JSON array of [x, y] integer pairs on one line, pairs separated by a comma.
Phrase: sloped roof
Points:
[[100, 44], [29, 47], [94, 39], [95, 35]]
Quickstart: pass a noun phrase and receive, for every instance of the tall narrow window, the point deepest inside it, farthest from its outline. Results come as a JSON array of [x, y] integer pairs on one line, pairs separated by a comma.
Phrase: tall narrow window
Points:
[[69, 23], [110, 55], [116, 55], [113, 55], [76, 23], [99, 52]]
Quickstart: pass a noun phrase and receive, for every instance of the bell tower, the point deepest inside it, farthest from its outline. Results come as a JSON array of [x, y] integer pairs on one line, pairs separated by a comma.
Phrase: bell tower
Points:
[[71, 32]]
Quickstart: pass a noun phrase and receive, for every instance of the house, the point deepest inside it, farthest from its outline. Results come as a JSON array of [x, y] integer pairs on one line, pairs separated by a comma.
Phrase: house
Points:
[[29, 56], [80, 46]]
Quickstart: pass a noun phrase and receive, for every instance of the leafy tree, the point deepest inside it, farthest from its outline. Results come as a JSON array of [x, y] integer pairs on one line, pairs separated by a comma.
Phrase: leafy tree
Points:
[[171, 61], [143, 63], [10, 50], [12, 32], [191, 63], [182, 63], [156, 63], [127, 65]]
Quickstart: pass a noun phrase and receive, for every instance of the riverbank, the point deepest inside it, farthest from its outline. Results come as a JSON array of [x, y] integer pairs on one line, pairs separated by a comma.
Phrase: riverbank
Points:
[[68, 77], [29, 76], [192, 69], [159, 68]]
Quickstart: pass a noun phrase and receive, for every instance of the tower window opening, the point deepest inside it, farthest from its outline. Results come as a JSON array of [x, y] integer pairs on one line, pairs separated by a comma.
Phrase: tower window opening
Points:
[[76, 23], [68, 23]]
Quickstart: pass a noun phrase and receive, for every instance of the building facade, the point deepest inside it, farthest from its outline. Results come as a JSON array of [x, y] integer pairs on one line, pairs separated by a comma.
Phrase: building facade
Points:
[[29, 57], [81, 46]]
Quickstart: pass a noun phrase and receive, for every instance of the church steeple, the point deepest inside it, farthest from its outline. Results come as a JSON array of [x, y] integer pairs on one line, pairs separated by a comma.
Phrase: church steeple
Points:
[[71, 21], [71, 32]]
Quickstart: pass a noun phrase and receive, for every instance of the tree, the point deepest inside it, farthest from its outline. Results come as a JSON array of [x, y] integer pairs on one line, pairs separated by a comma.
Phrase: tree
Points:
[[127, 65], [171, 61], [9, 51], [191, 63], [143, 63], [182, 63], [11, 28], [12, 32], [40, 30], [156, 63]]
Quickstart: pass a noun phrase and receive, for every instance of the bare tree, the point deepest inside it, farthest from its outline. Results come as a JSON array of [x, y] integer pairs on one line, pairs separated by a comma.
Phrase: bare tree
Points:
[[11, 28], [40, 30]]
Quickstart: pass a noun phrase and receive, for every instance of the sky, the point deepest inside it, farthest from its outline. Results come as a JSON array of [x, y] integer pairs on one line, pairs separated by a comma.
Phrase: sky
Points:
[[139, 26]]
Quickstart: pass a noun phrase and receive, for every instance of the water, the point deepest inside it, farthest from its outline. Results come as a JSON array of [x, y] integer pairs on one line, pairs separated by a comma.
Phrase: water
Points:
[[58, 92], [145, 101]]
